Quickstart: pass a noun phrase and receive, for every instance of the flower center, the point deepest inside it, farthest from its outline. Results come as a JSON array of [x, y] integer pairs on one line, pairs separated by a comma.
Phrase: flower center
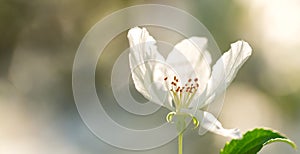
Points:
[[182, 95]]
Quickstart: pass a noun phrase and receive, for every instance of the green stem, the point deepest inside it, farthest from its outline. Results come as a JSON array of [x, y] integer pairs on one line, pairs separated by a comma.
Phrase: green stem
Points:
[[180, 138]]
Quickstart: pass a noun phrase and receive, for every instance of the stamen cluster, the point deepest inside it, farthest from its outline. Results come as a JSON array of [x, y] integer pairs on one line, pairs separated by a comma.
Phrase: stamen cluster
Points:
[[182, 95], [190, 87]]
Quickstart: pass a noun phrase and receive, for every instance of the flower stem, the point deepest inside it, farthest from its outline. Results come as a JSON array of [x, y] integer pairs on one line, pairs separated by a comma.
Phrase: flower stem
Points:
[[180, 138]]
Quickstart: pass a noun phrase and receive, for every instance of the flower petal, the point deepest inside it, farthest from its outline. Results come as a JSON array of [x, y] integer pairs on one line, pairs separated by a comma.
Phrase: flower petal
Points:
[[190, 59], [147, 65], [210, 123], [142, 46], [226, 68]]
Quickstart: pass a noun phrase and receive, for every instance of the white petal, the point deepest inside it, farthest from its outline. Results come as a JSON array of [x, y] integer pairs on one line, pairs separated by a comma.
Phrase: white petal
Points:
[[210, 123], [233, 60], [147, 65], [142, 46], [226, 68], [190, 59]]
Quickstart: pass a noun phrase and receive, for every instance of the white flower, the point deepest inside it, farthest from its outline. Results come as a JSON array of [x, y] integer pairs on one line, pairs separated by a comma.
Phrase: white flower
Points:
[[184, 82]]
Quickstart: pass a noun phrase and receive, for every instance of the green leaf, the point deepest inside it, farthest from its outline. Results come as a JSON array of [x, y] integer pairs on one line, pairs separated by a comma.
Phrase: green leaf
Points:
[[253, 141]]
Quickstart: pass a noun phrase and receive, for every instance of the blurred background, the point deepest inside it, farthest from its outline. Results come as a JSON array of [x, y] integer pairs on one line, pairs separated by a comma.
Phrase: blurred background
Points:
[[39, 39]]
